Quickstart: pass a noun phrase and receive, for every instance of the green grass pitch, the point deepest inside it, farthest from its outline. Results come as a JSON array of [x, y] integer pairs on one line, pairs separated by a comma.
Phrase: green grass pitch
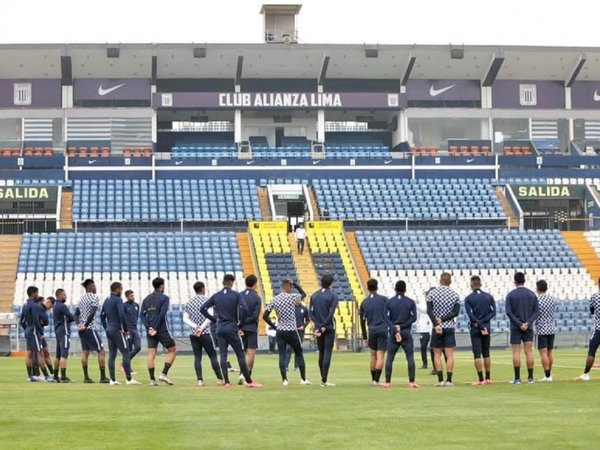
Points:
[[562, 415]]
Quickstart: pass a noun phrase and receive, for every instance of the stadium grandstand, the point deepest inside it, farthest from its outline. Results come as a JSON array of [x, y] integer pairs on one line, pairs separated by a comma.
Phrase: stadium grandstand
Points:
[[188, 161]]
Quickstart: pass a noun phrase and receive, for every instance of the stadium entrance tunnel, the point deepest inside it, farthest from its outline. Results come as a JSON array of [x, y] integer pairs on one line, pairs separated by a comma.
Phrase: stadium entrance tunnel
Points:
[[290, 202], [555, 206]]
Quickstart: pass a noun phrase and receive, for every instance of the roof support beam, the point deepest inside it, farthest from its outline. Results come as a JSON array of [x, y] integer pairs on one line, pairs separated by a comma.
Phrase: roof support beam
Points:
[[408, 70], [575, 72], [493, 70], [66, 71], [323, 71], [239, 69]]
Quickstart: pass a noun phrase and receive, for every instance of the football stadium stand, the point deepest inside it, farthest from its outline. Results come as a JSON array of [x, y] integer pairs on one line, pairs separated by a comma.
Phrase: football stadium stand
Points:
[[399, 199], [165, 200], [58, 260], [419, 257]]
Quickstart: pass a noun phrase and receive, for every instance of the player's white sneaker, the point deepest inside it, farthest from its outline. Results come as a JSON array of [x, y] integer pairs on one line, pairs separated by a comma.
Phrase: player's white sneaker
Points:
[[132, 382], [305, 383], [546, 380], [165, 379], [153, 383], [285, 383], [449, 384], [114, 383], [374, 383], [583, 377], [241, 380], [327, 384], [201, 383]]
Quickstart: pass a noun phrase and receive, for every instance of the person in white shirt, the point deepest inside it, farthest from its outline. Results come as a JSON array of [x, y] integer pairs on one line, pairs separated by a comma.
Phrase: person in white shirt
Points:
[[300, 237], [424, 330]]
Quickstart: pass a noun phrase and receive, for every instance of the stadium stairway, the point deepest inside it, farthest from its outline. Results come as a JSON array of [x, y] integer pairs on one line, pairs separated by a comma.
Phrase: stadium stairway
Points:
[[307, 275], [66, 210], [312, 198], [10, 246], [248, 267], [513, 220], [327, 238], [357, 257], [264, 204], [584, 251]]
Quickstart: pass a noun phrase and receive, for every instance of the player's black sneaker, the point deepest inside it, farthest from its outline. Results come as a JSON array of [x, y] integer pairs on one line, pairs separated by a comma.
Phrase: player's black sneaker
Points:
[[88, 381], [104, 380], [65, 380]]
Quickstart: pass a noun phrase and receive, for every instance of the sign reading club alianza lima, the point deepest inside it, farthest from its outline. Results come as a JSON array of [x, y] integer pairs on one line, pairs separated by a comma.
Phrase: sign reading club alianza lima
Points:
[[282, 100], [19, 193], [548, 191]]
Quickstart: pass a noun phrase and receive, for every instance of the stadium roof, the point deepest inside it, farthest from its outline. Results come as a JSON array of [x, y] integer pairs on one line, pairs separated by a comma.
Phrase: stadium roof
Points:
[[300, 61]]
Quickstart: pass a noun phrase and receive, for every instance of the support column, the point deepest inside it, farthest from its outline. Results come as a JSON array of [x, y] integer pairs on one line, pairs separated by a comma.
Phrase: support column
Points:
[[320, 119], [237, 120], [154, 120], [401, 133]]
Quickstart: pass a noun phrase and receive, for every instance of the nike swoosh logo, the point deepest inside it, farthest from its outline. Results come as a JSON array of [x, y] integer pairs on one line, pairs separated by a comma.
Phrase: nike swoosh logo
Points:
[[388, 162], [91, 161], [102, 92], [249, 162], [435, 92], [177, 163], [470, 160], [596, 96], [316, 162]]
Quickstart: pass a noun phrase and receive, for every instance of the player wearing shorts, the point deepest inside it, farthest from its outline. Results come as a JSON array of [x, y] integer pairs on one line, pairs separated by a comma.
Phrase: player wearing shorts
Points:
[[250, 326], [85, 315], [545, 328], [154, 317], [443, 305], [62, 329], [372, 315], [522, 309]]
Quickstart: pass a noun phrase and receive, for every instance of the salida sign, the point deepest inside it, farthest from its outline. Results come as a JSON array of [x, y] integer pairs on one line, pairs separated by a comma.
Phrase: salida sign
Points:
[[548, 191], [13, 193]]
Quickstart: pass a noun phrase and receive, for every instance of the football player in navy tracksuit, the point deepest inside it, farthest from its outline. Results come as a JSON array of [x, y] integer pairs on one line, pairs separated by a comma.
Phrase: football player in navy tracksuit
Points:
[[30, 322], [323, 304], [481, 309], [62, 329], [115, 323], [132, 314], [229, 311], [400, 313]]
